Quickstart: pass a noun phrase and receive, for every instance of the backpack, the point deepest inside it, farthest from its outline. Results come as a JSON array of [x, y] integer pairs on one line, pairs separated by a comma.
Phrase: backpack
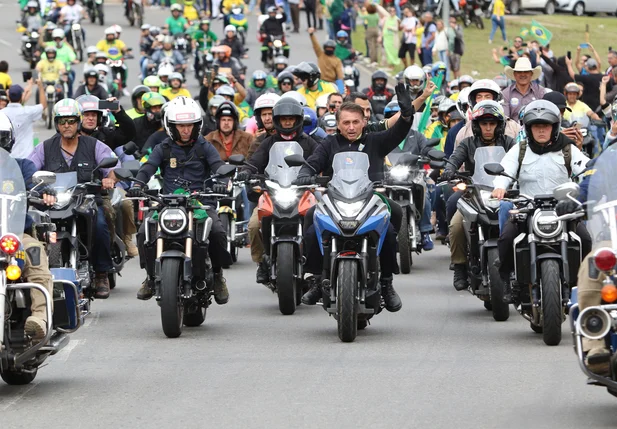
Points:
[[567, 156]]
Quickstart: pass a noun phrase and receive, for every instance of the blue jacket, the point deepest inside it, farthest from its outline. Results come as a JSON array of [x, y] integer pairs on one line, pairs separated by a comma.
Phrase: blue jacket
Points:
[[27, 170], [448, 146]]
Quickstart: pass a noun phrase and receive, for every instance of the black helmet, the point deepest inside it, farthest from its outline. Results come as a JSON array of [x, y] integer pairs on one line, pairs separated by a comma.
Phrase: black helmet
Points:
[[288, 107], [329, 47], [285, 76], [379, 75], [137, 93], [227, 109], [488, 110], [307, 71], [542, 112], [91, 73]]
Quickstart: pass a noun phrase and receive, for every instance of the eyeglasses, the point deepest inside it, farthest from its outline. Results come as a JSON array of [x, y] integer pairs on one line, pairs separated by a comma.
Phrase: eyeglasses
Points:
[[285, 83], [69, 121]]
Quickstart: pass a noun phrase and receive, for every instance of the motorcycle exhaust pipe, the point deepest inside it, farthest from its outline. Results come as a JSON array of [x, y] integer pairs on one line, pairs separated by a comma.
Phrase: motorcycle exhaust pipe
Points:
[[594, 323], [201, 285]]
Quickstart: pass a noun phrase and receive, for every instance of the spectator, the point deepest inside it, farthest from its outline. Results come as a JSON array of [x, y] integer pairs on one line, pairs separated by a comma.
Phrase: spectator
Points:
[[23, 117], [428, 38], [606, 98], [498, 19], [294, 8], [5, 79], [591, 82], [581, 60], [390, 38], [410, 39], [371, 21], [560, 70], [309, 8], [456, 47], [612, 61], [524, 90], [576, 108], [441, 44]]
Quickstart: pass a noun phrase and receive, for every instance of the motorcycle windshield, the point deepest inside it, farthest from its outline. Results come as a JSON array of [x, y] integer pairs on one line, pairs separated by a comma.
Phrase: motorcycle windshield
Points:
[[486, 155], [64, 187], [350, 174], [277, 170], [13, 198], [602, 200]]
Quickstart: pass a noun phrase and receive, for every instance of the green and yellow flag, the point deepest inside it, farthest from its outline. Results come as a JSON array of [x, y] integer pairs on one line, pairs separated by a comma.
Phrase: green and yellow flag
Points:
[[426, 114], [540, 33]]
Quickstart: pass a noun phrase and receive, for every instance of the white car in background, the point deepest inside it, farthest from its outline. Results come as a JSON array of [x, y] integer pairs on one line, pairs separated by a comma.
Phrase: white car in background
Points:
[[589, 7], [549, 7]]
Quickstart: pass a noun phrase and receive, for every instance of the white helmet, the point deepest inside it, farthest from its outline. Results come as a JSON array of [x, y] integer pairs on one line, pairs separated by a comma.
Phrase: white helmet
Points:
[[110, 30], [101, 68], [296, 96], [57, 33], [484, 85], [165, 70], [91, 50], [322, 101], [462, 103], [465, 79], [230, 28], [117, 28], [175, 6], [7, 135], [182, 110], [266, 101], [415, 73]]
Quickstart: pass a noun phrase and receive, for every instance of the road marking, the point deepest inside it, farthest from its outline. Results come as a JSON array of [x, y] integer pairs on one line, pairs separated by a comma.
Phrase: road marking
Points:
[[92, 318], [17, 397], [5, 43], [63, 355]]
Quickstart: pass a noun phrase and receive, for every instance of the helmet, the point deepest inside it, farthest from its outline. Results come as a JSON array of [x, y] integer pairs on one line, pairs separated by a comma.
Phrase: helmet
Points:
[[400, 76], [155, 31], [50, 49], [264, 102], [50, 26], [259, 75], [379, 75], [502, 82], [428, 69], [175, 6], [296, 96], [437, 67], [391, 109], [322, 101], [488, 109], [465, 79], [227, 108], [57, 33], [182, 110], [445, 106], [101, 68], [91, 50], [281, 59], [204, 22], [226, 90], [149, 100], [152, 81], [271, 9], [110, 31], [137, 93], [453, 83], [542, 112], [145, 27], [90, 73], [231, 28], [484, 85], [7, 135], [462, 103], [33, 4], [165, 70], [224, 49], [90, 103], [168, 39], [329, 44], [101, 54], [307, 71], [216, 101], [176, 75], [220, 78], [415, 73], [310, 120], [327, 121], [287, 106], [342, 34], [284, 77], [117, 28], [67, 108], [572, 87]]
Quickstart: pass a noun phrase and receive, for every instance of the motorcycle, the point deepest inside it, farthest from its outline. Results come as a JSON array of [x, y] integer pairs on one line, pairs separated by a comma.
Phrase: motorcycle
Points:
[[351, 73], [95, 11], [351, 222], [54, 92], [276, 45], [118, 248], [546, 261], [136, 12], [182, 43], [30, 48], [238, 20], [20, 356], [206, 61], [173, 240], [472, 14], [75, 38]]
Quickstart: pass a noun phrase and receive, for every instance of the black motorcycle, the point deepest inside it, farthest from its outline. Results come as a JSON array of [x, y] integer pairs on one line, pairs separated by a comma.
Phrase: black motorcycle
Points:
[[30, 48], [95, 11]]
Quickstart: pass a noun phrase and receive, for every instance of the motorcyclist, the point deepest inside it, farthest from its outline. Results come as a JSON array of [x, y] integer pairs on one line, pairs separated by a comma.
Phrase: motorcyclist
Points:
[[288, 120], [448, 115], [352, 137], [488, 122], [462, 104], [465, 81], [228, 93], [258, 87], [111, 45], [273, 27], [328, 123], [280, 64], [379, 94], [167, 52], [321, 105], [263, 116], [91, 58], [50, 68], [344, 50], [228, 139], [69, 151], [224, 60], [546, 159], [312, 85], [147, 45], [311, 125], [153, 83], [330, 65], [190, 12], [32, 19], [209, 118], [106, 79], [91, 86], [285, 83], [148, 124], [138, 108], [72, 13], [64, 53], [231, 39], [199, 160], [163, 74], [175, 88], [176, 23], [203, 40], [36, 266]]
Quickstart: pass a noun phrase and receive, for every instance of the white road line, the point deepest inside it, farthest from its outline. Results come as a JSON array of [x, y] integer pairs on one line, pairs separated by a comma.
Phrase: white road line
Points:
[[92, 318], [12, 401], [63, 355], [5, 43]]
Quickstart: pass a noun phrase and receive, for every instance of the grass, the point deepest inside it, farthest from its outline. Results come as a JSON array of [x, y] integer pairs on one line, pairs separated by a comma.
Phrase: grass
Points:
[[568, 32]]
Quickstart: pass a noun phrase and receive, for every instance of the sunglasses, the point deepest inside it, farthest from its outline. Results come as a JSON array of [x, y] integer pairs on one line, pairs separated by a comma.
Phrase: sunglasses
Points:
[[285, 83], [69, 121]]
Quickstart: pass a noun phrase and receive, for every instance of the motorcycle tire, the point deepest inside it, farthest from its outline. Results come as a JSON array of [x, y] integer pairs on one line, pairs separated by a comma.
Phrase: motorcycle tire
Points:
[[194, 315], [101, 15], [15, 378], [111, 277], [50, 112], [286, 281], [227, 228], [346, 304], [92, 16], [552, 310], [32, 64], [55, 255], [172, 308], [479, 23], [501, 310], [404, 245], [488, 306], [118, 256]]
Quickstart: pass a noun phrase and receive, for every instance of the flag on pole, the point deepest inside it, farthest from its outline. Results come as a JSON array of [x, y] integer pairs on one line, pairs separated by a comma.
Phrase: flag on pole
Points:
[[438, 81], [524, 32], [540, 33]]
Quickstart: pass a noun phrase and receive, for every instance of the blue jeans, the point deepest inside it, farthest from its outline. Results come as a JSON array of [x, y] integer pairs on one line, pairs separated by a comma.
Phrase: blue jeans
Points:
[[247, 211], [330, 26], [397, 6], [425, 220], [101, 252], [287, 11], [504, 213], [143, 62], [498, 21], [439, 204], [426, 56]]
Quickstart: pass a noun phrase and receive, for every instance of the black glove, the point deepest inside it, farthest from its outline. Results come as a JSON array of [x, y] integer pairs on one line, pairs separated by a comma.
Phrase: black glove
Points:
[[565, 207], [48, 190], [304, 180], [134, 191], [219, 188], [447, 175], [243, 176], [404, 101]]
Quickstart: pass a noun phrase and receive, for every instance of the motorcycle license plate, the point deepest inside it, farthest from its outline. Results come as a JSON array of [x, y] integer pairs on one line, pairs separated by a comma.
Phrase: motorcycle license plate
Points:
[[478, 12]]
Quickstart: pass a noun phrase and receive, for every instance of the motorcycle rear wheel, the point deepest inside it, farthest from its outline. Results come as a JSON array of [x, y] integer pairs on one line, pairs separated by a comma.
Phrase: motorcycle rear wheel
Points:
[[501, 310], [346, 304], [14, 378], [286, 281], [404, 246], [172, 308], [552, 311]]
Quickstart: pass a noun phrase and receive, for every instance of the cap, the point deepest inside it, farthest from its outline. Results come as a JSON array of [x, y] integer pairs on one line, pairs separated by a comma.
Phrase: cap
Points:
[[15, 93], [558, 99], [591, 64]]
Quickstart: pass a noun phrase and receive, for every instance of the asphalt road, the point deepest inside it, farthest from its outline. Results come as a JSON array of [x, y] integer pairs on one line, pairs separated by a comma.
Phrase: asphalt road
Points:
[[441, 362]]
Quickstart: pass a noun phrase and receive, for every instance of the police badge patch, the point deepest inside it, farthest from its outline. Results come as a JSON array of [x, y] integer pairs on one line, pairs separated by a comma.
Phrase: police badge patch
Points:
[[172, 163], [8, 187]]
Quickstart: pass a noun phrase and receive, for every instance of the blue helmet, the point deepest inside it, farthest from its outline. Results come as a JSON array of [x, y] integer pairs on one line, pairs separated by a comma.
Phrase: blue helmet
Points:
[[391, 109], [310, 120], [438, 66], [342, 34]]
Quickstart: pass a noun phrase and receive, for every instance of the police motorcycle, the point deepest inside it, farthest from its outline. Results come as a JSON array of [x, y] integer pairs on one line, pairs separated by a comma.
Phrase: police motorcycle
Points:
[[547, 257], [136, 12], [95, 11], [351, 222], [176, 236], [20, 355]]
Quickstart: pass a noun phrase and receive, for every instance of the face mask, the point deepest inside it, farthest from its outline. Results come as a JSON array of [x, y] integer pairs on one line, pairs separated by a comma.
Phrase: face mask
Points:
[[329, 52], [379, 86]]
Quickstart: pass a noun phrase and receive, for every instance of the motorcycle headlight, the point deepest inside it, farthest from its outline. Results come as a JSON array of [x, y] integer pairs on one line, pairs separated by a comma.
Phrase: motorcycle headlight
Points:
[[173, 221], [349, 209], [285, 197], [491, 203], [76, 27], [348, 70], [28, 45], [50, 89], [34, 35], [546, 225], [278, 44], [63, 199], [399, 173]]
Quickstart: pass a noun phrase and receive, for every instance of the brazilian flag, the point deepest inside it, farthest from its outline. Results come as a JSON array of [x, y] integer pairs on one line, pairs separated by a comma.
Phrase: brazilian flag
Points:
[[540, 33]]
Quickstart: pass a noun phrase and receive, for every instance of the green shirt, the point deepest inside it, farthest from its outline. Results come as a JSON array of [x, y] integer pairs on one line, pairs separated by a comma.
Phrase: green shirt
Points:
[[176, 26], [371, 20], [65, 54], [205, 40]]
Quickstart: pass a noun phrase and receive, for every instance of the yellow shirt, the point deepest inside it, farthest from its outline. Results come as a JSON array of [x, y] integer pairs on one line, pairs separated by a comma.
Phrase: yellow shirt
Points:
[[5, 80], [190, 13], [323, 87], [50, 71], [171, 94], [454, 97], [579, 111], [499, 8], [116, 48]]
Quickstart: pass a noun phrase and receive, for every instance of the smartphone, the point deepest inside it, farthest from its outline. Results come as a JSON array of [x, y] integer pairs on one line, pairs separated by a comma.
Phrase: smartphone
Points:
[[109, 105], [569, 55], [524, 45], [584, 45], [27, 75]]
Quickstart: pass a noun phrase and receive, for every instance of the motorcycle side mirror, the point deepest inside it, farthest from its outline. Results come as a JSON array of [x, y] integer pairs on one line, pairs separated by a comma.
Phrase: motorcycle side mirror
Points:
[[566, 191], [436, 155], [130, 148], [226, 170], [44, 177], [237, 159], [433, 142], [295, 160], [408, 159], [123, 174], [493, 169]]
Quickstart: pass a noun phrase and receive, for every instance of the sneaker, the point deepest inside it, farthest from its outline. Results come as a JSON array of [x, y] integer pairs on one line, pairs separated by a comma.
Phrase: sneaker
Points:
[[145, 292], [460, 277], [598, 361], [263, 276], [314, 293], [131, 248], [35, 327], [221, 294], [441, 236], [389, 295], [427, 243], [101, 286]]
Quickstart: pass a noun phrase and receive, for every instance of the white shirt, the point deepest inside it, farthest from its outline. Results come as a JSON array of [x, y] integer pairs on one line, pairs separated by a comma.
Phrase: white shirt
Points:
[[540, 174], [22, 118], [411, 22], [72, 13], [441, 41]]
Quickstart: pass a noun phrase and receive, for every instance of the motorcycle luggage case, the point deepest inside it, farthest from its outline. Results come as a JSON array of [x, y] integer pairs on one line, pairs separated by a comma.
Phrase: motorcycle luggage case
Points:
[[65, 299]]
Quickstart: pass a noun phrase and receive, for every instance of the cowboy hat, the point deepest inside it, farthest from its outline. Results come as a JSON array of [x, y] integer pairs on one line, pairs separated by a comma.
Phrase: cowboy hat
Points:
[[522, 65]]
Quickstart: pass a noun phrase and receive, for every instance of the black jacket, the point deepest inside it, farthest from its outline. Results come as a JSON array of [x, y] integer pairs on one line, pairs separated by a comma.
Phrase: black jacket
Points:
[[262, 155], [466, 150], [144, 129], [237, 48], [117, 136], [273, 26], [375, 144], [98, 91]]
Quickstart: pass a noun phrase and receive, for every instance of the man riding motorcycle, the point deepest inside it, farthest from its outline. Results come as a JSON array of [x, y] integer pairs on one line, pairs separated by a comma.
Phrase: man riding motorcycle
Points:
[[91, 86], [224, 60], [149, 123], [312, 85], [199, 160], [153, 83], [258, 87], [209, 119], [32, 19], [228, 139], [263, 116], [330, 66], [167, 52], [273, 27], [64, 53], [69, 151], [285, 82], [138, 107], [175, 87], [176, 23], [379, 94], [49, 67], [111, 45], [231, 39]]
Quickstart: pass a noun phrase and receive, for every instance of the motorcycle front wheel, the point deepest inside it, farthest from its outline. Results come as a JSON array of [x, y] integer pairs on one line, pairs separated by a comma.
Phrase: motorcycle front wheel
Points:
[[172, 308], [404, 245], [286, 281], [552, 311], [501, 310], [346, 304], [225, 221]]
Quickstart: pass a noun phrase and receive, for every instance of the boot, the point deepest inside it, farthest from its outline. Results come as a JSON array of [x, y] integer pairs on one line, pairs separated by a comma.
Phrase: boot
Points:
[[389, 295], [314, 293], [263, 275], [145, 292], [35, 327], [598, 361], [101, 286], [507, 288], [460, 277], [221, 294], [131, 248]]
